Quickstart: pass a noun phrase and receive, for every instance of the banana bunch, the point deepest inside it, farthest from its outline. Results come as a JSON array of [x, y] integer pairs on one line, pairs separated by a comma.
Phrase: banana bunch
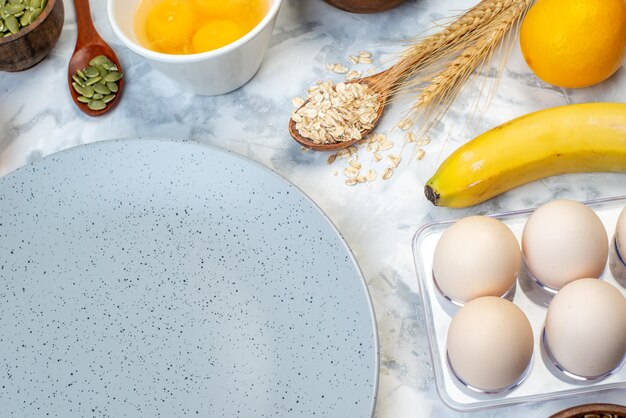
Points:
[[569, 139]]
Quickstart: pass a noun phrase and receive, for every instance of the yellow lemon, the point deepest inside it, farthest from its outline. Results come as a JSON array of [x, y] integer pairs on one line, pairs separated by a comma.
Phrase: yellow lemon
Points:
[[574, 43]]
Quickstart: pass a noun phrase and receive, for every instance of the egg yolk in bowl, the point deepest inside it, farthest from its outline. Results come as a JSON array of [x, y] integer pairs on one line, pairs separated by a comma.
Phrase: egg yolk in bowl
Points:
[[194, 26]]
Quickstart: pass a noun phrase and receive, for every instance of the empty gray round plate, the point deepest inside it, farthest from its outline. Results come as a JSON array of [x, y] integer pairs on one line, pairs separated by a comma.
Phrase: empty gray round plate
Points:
[[157, 278]]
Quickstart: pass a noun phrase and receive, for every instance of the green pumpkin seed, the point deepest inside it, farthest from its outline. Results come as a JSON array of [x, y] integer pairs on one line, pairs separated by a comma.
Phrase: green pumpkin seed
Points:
[[108, 98], [13, 9], [12, 24], [96, 105], [91, 72], [44, 3], [18, 15], [98, 96], [3, 2], [36, 13], [81, 75], [103, 73], [99, 60], [78, 80], [25, 19], [79, 89], [102, 89], [89, 91], [113, 76], [109, 66], [2, 26], [35, 4], [93, 80], [112, 86], [83, 99], [15, 1]]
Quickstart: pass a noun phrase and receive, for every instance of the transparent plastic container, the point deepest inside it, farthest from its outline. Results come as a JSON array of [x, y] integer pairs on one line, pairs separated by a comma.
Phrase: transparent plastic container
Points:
[[542, 381]]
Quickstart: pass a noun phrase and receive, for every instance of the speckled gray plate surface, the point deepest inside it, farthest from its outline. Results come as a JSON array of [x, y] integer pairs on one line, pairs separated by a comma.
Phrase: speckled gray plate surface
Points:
[[157, 278]]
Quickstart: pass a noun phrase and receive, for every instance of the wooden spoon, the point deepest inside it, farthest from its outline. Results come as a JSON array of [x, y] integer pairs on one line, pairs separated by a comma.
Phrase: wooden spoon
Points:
[[89, 45], [371, 82]]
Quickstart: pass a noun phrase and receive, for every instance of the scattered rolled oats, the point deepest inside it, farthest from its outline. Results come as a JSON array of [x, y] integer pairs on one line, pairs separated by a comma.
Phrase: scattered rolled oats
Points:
[[335, 173], [410, 137], [353, 59], [365, 57], [370, 175], [297, 102], [351, 172], [387, 174], [355, 164], [353, 75], [337, 113], [394, 160], [405, 124], [387, 145], [351, 182], [343, 153], [420, 154], [336, 68], [377, 156], [331, 159]]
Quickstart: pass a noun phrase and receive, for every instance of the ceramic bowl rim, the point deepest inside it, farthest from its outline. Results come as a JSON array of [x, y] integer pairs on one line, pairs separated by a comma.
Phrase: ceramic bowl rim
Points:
[[28, 29], [202, 56]]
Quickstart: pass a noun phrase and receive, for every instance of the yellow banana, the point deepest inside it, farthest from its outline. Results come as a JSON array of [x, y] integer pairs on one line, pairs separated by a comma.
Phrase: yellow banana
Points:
[[576, 138]]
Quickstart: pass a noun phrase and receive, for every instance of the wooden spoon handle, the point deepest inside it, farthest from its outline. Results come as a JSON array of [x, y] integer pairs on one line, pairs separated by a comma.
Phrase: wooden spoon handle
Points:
[[87, 33]]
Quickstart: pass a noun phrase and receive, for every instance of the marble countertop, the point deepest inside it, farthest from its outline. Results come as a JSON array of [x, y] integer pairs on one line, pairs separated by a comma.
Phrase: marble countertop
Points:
[[37, 118]]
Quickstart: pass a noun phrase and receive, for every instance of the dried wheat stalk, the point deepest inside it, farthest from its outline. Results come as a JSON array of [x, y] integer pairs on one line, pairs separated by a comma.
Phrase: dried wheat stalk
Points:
[[432, 48], [444, 86]]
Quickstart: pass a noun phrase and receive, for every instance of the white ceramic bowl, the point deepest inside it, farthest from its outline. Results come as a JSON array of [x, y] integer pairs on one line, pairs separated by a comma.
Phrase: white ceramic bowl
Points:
[[209, 73]]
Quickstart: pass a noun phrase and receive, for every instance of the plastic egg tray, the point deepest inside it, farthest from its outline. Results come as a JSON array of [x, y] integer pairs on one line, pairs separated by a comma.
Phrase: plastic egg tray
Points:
[[542, 381]]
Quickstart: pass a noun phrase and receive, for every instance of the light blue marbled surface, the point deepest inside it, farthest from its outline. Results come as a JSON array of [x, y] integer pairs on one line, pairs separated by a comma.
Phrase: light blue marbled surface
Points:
[[37, 118]]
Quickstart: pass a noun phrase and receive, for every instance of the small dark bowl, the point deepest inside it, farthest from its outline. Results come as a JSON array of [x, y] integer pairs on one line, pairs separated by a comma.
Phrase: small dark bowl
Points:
[[33, 43], [365, 6], [593, 410]]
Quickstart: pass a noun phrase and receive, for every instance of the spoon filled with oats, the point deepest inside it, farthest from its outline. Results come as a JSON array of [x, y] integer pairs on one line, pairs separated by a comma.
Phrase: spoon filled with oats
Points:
[[334, 117]]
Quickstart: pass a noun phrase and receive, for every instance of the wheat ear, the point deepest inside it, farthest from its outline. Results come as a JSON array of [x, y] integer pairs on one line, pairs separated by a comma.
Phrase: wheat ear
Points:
[[443, 87], [416, 57]]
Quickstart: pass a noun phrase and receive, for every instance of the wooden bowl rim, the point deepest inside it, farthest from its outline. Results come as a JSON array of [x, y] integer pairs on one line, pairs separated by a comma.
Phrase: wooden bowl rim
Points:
[[589, 408], [46, 12]]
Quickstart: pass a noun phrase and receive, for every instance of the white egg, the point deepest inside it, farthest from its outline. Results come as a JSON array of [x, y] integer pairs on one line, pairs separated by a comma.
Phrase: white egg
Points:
[[490, 343], [563, 241], [477, 256], [586, 327]]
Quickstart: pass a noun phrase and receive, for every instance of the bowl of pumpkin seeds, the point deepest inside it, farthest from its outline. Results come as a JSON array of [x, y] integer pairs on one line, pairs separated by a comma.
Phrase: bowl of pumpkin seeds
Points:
[[29, 29]]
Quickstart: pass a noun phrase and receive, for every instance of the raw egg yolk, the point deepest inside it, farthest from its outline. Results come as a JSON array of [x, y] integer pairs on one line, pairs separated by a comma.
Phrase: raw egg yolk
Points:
[[216, 34], [169, 26], [221, 8]]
